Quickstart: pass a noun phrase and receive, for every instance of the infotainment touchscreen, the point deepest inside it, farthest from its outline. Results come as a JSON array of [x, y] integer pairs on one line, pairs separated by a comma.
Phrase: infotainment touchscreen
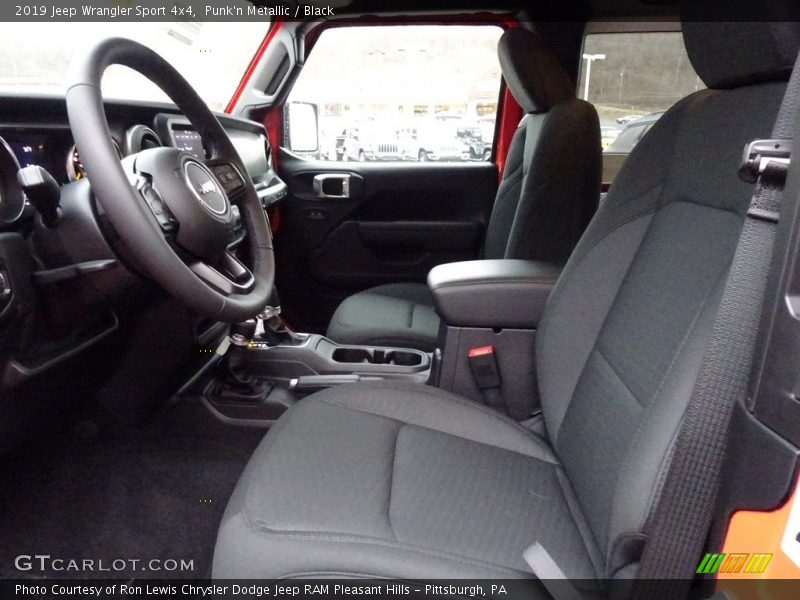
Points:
[[189, 141]]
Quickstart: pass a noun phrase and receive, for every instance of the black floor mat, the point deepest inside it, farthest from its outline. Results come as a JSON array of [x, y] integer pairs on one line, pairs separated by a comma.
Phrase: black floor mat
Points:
[[157, 493]]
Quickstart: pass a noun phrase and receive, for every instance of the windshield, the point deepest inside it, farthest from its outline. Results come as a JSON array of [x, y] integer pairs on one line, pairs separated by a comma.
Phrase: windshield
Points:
[[35, 57]]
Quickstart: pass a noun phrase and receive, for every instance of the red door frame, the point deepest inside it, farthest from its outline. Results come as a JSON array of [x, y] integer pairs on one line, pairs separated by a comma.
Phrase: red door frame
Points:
[[275, 27]]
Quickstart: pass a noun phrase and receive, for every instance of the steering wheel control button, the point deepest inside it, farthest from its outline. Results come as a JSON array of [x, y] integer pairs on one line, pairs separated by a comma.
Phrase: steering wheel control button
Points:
[[153, 201], [159, 209], [229, 177], [238, 233], [205, 187]]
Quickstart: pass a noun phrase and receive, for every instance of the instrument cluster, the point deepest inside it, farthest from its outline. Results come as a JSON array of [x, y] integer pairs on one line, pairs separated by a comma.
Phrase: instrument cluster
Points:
[[54, 150]]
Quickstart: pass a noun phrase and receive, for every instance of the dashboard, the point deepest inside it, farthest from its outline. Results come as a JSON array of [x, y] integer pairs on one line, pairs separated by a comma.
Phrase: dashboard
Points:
[[66, 289], [36, 132]]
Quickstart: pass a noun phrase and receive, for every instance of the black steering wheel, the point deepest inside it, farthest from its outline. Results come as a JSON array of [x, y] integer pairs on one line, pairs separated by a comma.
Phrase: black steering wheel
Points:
[[175, 214]]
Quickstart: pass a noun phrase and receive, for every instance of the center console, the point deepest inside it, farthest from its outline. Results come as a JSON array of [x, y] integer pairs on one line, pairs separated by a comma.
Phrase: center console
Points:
[[490, 310], [316, 356], [269, 367]]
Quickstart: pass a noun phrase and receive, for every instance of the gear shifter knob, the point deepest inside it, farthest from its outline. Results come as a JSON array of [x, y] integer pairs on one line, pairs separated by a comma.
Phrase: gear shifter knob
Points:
[[269, 312], [42, 191], [275, 332]]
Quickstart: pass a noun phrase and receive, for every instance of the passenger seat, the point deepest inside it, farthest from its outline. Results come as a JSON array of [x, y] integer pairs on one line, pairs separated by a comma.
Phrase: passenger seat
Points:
[[549, 192], [399, 481]]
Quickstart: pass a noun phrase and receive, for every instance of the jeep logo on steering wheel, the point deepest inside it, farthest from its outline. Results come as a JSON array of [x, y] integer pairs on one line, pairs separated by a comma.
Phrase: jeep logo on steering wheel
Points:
[[205, 189]]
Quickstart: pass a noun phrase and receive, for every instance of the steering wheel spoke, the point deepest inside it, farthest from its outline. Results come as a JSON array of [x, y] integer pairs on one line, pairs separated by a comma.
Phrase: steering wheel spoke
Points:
[[228, 276]]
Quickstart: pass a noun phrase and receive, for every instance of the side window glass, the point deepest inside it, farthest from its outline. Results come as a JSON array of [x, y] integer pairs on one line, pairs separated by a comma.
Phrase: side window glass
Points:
[[625, 140], [632, 78], [399, 93]]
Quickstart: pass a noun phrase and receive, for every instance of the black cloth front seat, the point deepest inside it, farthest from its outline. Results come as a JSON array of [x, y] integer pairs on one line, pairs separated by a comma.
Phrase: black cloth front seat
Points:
[[408, 481], [549, 192]]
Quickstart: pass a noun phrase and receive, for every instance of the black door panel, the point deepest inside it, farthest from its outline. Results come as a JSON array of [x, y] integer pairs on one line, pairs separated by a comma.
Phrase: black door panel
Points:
[[358, 254], [397, 221]]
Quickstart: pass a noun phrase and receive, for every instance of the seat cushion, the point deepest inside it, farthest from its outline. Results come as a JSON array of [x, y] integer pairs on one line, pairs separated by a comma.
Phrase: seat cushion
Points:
[[397, 314], [399, 480]]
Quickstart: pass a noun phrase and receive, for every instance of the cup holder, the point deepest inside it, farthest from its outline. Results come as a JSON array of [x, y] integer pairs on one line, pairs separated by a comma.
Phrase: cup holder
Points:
[[377, 356], [352, 355], [403, 359]]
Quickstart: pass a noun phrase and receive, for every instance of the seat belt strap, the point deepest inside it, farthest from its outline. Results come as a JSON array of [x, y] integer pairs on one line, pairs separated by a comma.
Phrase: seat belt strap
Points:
[[678, 526], [549, 573]]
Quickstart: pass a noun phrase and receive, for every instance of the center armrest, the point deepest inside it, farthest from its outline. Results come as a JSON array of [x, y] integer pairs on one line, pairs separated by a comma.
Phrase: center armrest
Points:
[[492, 293]]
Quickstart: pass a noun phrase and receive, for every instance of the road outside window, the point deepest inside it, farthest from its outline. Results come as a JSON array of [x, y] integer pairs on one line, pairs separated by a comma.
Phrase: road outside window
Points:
[[399, 93]]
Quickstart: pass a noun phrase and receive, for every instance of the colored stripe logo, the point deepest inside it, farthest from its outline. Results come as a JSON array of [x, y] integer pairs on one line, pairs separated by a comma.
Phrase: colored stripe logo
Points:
[[713, 563]]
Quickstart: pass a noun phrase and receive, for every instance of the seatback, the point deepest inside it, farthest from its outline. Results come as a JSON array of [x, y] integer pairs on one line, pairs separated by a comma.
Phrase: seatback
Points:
[[624, 332], [551, 181]]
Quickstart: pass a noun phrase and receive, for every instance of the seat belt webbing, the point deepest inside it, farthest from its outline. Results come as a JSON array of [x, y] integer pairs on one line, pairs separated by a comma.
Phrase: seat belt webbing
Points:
[[549, 573]]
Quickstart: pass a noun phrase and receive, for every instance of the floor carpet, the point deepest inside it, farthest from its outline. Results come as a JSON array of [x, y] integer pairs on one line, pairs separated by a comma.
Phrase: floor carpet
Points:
[[154, 493]]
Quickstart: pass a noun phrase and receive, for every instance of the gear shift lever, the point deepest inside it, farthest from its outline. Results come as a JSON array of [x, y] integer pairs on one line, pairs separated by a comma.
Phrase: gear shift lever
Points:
[[269, 312], [275, 332], [237, 385]]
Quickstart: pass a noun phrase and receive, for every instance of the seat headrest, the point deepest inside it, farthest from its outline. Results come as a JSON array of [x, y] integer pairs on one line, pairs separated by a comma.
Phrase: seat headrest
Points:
[[733, 54], [536, 79]]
